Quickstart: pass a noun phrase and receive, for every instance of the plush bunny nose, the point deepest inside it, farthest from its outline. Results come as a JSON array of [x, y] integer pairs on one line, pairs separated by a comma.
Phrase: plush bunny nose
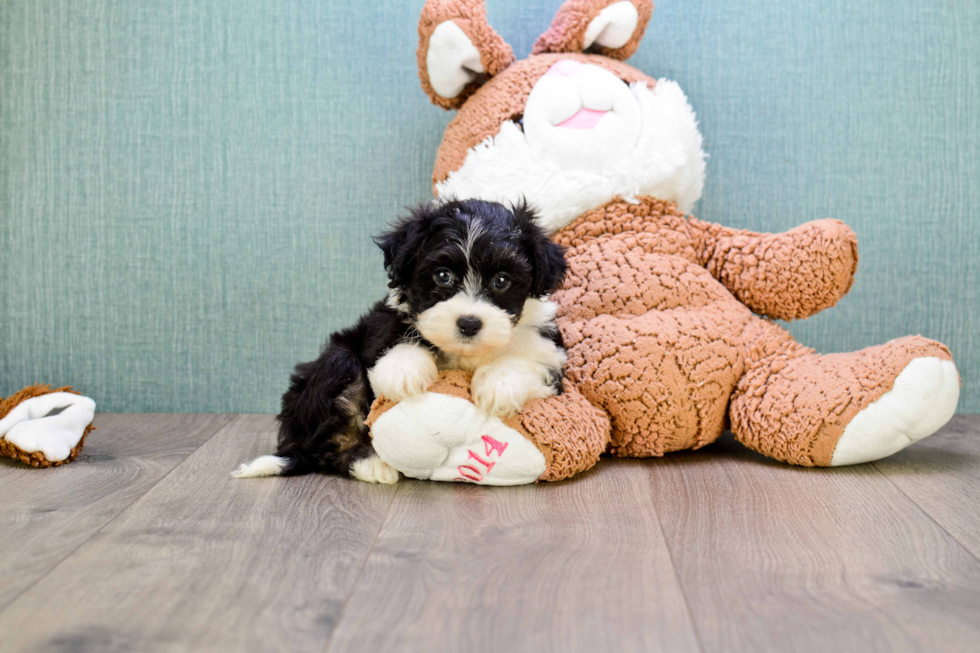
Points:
[[565, 68], [469, 326]]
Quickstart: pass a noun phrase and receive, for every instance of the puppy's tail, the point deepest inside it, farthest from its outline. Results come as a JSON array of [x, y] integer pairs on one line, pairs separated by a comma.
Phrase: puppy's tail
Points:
[[272, 466]]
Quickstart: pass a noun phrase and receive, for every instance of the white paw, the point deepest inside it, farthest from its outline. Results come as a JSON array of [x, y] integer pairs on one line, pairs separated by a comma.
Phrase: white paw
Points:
[[52, 424], [445, 438], [922, 400], [502, 389], [405, 371], [374, 470]]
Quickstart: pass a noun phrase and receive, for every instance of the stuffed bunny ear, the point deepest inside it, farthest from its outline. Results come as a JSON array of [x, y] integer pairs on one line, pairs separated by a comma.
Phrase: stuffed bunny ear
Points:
[[458, 50], [612, 28]]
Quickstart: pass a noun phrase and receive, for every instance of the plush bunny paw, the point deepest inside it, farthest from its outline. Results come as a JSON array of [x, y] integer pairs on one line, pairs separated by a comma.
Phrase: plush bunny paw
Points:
[[46, 429], [446, 438], [922, 399]]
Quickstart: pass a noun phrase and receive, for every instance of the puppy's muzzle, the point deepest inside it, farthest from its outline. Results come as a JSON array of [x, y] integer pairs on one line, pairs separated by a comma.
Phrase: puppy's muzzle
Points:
[[469, 326]]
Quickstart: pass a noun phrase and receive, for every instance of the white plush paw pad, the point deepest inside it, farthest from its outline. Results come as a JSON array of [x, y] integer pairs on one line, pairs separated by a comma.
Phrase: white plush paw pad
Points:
[[374, 470], [52, 424], [444, 438], [922, 400]]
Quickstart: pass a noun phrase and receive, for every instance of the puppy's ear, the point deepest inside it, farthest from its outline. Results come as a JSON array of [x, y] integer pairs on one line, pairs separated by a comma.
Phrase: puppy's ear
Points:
[[547, 257], [401, 245]]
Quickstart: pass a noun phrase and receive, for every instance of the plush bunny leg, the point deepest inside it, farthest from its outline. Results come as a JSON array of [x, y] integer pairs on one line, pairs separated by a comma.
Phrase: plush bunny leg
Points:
[[443, 436], [840, 409], [51, 424], [446, 438]]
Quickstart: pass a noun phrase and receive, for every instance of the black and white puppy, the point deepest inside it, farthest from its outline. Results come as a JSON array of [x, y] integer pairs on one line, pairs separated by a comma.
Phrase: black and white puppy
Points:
[[469, 284]]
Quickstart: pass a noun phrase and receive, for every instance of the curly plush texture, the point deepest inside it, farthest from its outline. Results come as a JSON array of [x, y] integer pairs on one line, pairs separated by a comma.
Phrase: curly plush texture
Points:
[[567, 31], [657, 315], [36, 459], [665, 351], [797, 391]]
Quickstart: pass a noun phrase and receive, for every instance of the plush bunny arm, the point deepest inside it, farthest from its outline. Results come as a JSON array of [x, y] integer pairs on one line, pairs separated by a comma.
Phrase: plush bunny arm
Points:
[[785, 276]]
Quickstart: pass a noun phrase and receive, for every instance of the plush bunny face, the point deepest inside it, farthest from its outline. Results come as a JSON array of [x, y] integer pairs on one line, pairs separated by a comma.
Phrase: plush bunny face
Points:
[[565, 130]]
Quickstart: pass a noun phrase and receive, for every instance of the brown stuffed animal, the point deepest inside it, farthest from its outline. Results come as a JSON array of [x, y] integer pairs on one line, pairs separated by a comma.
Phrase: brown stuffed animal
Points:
[[660, 312], [42, 427]]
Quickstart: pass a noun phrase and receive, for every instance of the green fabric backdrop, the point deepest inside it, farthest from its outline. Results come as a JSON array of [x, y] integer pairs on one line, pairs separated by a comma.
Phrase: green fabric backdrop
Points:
[[188, 189]]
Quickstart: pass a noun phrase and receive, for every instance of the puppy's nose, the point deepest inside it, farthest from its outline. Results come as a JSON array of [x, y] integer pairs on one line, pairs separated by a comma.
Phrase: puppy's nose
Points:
[[469, 326]]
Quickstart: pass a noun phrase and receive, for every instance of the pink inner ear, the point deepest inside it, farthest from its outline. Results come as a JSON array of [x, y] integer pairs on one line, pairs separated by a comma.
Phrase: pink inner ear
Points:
[[584, 119], [565, 68]]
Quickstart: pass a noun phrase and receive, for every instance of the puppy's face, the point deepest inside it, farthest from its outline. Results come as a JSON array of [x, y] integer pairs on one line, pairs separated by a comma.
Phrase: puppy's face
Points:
[[462, 272]]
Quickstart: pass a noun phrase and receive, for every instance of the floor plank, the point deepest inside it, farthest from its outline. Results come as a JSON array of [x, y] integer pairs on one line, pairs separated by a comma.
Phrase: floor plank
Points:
[[211, 563], [941, 475], [576, 566], [45, 514], [778, 558]]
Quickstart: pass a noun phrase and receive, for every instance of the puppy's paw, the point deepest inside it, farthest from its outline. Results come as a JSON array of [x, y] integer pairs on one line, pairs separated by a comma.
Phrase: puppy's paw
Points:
[[502, 389], [374, 470], [406, 371]]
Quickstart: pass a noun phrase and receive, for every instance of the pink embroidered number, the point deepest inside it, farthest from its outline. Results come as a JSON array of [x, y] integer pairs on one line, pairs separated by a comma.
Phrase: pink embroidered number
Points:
[[472, 472]]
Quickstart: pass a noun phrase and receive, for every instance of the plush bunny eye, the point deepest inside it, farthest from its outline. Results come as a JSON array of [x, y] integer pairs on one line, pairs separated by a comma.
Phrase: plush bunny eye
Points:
[[501, 282], [443, 277]]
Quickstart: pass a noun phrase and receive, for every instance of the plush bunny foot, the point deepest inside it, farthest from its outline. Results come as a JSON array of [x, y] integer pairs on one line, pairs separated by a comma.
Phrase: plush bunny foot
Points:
[[43, 428], [447, 438], [920, 402], [843, 409]]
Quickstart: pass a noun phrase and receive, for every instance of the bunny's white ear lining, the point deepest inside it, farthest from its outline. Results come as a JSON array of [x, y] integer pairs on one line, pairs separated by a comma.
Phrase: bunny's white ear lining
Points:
[[452, 61], [613, 27]]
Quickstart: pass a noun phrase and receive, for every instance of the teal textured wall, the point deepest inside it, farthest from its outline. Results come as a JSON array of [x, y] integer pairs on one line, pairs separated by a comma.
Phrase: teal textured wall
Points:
[[188, 189]]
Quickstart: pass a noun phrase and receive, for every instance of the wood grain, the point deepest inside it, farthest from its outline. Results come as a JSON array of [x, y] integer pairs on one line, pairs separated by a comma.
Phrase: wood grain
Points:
[[941, 475], [575, 566], [45, 514], [148, 545], [772, 557], [207, 562]]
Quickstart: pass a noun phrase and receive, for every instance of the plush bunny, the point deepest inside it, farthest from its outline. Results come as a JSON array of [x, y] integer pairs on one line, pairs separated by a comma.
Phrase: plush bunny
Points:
[[42, 427], [660, 312]]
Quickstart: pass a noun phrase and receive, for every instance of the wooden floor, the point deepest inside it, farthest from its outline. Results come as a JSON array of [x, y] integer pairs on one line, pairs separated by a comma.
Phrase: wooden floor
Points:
[[147, 544]]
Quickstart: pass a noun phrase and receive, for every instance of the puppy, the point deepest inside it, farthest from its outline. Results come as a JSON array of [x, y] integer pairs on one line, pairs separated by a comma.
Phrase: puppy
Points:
[[469, 284]]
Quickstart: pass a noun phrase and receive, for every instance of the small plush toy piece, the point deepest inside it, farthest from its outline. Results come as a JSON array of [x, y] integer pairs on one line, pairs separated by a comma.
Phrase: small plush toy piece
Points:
[[661, 313], [42, 427]]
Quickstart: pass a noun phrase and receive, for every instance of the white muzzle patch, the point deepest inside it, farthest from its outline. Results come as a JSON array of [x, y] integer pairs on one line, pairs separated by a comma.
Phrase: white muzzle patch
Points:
[[439, 325]]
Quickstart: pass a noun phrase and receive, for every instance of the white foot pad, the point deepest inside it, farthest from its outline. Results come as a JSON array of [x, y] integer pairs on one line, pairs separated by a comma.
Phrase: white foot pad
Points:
[[52, 424], [922, 400], [444, 438]]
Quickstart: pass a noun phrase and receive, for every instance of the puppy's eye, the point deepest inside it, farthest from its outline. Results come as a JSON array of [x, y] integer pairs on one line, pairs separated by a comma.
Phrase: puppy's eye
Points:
[[501, 282], [443, 277]]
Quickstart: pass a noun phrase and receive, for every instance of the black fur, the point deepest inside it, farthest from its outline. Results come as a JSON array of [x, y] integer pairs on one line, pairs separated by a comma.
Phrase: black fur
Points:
[[314, 412], [321, 425]]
